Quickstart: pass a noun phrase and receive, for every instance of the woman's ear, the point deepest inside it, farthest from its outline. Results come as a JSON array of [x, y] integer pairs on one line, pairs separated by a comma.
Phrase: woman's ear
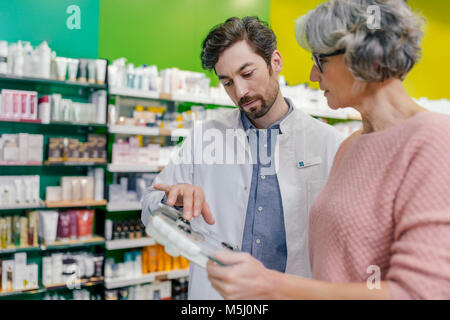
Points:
[[276, 62]]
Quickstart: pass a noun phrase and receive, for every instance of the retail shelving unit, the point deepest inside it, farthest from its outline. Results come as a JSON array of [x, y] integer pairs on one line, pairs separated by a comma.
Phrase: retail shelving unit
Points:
[[50, 174]]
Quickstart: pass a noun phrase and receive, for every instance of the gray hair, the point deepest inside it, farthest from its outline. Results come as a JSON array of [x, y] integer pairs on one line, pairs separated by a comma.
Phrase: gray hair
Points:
[[374, 50]]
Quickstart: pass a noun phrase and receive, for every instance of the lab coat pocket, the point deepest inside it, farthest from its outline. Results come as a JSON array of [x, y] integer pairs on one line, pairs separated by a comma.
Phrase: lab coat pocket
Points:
[[313, 189]]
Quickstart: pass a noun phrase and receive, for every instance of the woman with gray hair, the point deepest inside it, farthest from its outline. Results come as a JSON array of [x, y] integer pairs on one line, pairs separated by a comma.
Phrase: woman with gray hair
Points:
[[380, 228]]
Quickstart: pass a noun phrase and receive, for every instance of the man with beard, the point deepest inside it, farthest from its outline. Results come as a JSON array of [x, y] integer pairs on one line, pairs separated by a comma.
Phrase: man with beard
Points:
[[260, 205]]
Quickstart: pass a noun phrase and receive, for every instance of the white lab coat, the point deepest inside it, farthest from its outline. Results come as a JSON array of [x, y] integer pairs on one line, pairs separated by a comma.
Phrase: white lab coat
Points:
[[227, 186]]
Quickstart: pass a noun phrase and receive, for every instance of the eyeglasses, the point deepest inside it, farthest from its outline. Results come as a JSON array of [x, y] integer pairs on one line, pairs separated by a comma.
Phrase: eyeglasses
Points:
[[317, 57]]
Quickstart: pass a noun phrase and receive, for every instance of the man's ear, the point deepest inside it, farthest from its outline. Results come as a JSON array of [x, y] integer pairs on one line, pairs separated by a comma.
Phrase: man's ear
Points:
[[276, 62]]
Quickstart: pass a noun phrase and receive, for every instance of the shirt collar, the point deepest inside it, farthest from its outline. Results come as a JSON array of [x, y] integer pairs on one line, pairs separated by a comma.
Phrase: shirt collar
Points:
[[247, 124]]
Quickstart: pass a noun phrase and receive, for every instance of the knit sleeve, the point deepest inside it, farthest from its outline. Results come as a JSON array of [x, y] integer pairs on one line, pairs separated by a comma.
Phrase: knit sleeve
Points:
[[420, 254]]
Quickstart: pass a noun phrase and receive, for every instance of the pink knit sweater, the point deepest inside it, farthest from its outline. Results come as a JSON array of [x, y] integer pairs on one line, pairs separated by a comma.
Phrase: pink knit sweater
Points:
[[387, 204]]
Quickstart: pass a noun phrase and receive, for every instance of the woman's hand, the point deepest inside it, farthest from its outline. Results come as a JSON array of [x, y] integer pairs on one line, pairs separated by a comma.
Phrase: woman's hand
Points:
[[243, 278]]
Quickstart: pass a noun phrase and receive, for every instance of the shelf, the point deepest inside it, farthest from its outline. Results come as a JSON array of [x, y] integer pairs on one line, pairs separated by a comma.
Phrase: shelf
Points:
[[147, 131], [52, 82], [150, 277], [133, 168], [96, 240], [83, 283], [58, 204], [154, 95], [202, 100], [19, 249], [30, 206], [15, 292], [21, 163], [129, 243], [123, 206], [55, 124], [50, 164], [34, 121], [68, 204], [133, 93], [74, 163]]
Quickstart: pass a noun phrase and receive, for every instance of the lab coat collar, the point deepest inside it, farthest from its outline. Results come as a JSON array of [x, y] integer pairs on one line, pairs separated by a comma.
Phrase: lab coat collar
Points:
[[247, 124]]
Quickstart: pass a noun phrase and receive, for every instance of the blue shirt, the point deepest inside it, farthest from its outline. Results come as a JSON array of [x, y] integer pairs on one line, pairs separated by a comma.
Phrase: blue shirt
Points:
[[264, 231]]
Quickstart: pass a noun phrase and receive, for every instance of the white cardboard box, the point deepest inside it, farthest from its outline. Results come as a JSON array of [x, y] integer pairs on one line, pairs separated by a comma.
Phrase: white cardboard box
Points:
[[7, 267], [20, 269], [31, 276]]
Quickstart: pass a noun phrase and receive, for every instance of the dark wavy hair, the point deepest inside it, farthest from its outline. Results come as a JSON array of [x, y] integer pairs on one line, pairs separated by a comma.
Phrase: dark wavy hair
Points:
[[257, 33]]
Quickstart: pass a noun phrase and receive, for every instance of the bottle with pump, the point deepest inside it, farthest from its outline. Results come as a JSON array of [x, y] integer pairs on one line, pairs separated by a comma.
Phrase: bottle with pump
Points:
[[18, 59], [28, 59], [45, 60]]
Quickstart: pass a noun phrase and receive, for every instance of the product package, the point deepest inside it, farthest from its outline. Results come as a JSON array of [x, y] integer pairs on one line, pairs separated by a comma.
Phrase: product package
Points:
[[64, 232], [73, 224], [98, 176], [20, 270], [21, 148], [48, 226], [53, 194], [17, 191], [47, 271], [31, 278], [7, 275], [18, 105], [85, 223], [77, 188], [33, 228]]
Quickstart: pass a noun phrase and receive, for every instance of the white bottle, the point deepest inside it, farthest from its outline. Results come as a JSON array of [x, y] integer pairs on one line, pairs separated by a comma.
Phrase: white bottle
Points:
[[3, 57], [145, 83], [11, 52], [45, 59], [35, 62], [28, 60], [130, 76], [18, 59], [98, 174]]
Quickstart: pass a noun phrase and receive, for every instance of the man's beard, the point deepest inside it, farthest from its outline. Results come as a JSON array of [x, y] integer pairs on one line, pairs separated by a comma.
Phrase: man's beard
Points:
[[266, 104]]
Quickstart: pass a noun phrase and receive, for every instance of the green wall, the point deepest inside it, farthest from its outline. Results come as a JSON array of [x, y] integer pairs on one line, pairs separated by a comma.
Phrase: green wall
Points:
[[167, 33], [38, 20]]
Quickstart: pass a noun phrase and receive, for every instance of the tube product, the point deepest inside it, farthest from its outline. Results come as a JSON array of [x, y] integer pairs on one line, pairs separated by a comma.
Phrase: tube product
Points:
[[91, 65], [48, 221], [61, 68], [73, 68], [82, 70], [101, 71]]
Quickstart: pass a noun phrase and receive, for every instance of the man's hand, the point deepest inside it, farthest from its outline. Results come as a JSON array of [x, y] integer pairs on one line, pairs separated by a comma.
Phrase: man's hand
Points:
[[190, 197]]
